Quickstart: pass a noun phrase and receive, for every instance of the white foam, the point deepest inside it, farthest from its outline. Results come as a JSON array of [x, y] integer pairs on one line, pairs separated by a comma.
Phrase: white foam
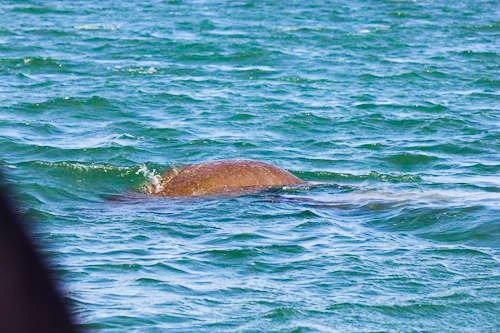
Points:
[[98, 26], [143, 70], [154, 179]]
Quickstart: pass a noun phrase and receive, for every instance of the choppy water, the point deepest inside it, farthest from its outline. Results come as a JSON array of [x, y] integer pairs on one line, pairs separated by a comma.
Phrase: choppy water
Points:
[[389, 108]]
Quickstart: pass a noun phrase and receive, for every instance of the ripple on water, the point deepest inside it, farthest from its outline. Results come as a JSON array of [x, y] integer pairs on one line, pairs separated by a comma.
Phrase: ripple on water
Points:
[[408, 161], [34, 64]]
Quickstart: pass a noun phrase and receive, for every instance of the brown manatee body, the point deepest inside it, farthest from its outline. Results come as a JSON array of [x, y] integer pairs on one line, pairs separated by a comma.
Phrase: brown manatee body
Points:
[[224, 177]]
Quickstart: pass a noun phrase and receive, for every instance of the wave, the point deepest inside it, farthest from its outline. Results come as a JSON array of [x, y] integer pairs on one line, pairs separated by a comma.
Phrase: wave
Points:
[[451, 148], [427, 74], [491, 26], [98, 26], [41, 10], [410, 160], [348, 177], [6, 32], [34, 63], [488, 82], [68, 102], [427, 107], [143, 177], [244, 253], [448, 219], [484, 55], [55, 33]]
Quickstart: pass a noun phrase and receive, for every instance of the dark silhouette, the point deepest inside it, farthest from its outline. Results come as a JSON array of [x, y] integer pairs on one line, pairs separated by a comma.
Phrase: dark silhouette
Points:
[[29, 299]]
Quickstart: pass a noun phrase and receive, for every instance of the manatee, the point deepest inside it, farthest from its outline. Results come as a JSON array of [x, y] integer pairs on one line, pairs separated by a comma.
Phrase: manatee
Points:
[[223, 177]]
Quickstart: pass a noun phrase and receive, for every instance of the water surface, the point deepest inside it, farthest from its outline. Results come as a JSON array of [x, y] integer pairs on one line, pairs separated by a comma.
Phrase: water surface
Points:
[[389, 109]]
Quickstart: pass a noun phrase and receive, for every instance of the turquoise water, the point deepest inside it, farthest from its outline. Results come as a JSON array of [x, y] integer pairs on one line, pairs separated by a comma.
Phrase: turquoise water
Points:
[[390, 109]]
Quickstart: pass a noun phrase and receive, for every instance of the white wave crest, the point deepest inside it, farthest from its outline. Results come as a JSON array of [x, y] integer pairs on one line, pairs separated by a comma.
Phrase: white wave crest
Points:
[[98, 26], [154, 184]]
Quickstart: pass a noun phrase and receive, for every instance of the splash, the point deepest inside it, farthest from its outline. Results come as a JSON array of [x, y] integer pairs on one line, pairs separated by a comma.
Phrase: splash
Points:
[[154, 179]]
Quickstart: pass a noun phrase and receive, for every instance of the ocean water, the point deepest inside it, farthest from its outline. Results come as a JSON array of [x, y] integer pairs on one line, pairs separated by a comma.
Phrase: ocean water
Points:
[[389, 109]]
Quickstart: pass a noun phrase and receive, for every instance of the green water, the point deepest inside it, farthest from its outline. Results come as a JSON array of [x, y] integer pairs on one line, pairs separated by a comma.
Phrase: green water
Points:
[[390, 109]]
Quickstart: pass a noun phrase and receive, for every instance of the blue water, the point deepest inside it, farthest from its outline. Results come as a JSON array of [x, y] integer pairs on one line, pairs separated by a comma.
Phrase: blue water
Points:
[[390, 109]]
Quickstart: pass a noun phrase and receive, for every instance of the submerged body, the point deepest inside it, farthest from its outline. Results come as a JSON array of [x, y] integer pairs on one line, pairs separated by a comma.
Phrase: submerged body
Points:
[[224, 177]]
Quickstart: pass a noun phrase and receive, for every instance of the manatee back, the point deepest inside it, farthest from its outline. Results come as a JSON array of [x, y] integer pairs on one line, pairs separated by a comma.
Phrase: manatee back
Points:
[[224, 177]]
